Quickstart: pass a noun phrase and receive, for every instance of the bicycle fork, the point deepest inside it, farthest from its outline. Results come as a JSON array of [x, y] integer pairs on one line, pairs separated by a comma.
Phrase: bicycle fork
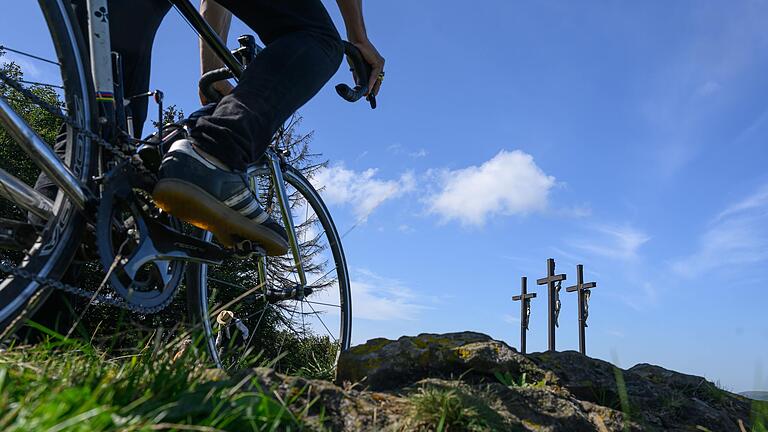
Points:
[[285, 209]]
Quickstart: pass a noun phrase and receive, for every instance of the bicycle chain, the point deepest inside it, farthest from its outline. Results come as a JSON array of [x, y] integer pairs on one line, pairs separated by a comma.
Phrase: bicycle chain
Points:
[[81, 292], [119, 154]]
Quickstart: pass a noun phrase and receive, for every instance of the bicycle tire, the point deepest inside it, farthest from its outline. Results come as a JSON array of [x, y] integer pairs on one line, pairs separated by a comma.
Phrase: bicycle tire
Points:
[[57, 243], [198, 287]]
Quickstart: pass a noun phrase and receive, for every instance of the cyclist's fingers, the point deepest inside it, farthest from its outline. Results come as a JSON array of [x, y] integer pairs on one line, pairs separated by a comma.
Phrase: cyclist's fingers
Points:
[[376, 87], [375, 81], [203, 99]]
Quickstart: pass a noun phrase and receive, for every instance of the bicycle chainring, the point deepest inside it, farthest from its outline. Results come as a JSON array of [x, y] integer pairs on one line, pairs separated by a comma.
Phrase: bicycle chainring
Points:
[[126, 219]]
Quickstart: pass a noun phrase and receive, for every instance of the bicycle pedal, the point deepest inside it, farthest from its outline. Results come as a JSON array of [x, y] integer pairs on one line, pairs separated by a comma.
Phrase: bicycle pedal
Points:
[[246, 249]]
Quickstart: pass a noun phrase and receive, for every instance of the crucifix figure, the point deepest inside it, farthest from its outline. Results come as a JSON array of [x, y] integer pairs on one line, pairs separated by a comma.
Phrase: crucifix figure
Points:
[[583, 289], [525, 310], [553, 283]]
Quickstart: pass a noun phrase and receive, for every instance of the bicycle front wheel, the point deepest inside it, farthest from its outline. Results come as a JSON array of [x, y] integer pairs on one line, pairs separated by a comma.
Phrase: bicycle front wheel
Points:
[[301, 334]]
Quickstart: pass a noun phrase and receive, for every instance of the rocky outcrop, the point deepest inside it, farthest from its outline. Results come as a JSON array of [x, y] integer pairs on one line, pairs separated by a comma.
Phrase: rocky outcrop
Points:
[[382, 364], [483, 384]]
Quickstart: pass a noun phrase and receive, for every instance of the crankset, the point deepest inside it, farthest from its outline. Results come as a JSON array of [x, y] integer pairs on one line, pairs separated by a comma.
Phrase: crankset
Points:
[[143, 249]]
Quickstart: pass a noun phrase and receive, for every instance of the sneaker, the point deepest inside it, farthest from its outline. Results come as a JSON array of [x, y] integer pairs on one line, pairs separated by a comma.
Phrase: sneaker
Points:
[[195, 190]]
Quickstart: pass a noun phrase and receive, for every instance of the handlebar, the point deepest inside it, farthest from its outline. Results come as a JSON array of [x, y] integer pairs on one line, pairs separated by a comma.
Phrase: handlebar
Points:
[[209, 79], [361, 71]]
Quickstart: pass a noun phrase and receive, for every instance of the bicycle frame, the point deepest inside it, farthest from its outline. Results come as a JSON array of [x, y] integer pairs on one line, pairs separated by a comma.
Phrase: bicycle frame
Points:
[[102, 74]]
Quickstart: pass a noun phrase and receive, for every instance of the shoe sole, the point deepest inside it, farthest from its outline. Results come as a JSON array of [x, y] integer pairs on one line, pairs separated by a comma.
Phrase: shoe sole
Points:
[[194, 205]]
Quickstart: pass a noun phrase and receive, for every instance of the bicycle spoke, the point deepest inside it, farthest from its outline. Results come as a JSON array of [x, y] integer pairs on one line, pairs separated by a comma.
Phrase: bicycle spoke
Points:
[[237, 299], [5, 48], [303, 324], [322, 304], [290, 327], [323, 323], [253, 331], [225, 283], [322, 277], [40, 84]]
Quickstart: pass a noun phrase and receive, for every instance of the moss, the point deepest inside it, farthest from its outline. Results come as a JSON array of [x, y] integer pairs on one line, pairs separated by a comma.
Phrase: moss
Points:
[[463, 353], [532, 425], [369, 347], [424, 341]]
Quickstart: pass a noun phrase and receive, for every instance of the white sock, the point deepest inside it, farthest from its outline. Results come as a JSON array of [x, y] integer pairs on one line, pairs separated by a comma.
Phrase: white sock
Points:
[[188, 147]]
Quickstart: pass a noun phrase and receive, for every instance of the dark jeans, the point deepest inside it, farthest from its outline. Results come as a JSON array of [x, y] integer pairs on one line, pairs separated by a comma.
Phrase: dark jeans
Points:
[[303, 50]]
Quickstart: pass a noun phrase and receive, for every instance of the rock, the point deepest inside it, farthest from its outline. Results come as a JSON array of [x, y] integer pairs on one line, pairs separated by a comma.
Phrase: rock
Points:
[[657, 398], [382, 385], [382, 364], [594, 380], [323, 405], [688, 399]]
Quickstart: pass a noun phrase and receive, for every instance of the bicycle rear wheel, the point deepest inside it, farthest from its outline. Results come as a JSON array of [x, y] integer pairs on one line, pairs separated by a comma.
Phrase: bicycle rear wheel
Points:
[[49, 241], [299, 335]]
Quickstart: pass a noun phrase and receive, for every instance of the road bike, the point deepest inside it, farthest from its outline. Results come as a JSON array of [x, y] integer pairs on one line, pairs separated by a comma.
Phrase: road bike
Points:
[[103, 211]]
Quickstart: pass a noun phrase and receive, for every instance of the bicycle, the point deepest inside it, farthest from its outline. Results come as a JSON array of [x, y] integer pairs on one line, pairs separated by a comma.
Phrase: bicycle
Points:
[[104, 180]]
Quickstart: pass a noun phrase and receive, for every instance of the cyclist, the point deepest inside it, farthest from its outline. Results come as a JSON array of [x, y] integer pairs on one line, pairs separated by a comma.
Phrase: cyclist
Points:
[[202, 179]]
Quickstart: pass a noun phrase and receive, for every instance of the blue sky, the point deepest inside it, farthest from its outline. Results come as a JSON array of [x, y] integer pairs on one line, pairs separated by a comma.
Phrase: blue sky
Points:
[[631, 137]]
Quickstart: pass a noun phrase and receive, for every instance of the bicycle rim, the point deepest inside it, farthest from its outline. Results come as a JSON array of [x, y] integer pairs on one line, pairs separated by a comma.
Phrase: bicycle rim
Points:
[[66, 84], [303, 336]]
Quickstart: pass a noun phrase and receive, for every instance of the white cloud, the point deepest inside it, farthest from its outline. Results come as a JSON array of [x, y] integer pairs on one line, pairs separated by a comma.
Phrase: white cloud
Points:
[[361, 190], [399, 149], [753, 202], [383, 299], [511, 319], [616, 242], [737, 236], [405, 228], [420, 153], [510, 183]]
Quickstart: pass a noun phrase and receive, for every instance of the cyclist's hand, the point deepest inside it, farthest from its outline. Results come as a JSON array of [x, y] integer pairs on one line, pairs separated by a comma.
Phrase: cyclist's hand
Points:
[[372, 56], [223, 87]]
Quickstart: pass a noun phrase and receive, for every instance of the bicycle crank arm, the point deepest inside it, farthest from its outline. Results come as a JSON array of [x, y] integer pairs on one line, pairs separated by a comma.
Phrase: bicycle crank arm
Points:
[[163, 244], [43, 155]]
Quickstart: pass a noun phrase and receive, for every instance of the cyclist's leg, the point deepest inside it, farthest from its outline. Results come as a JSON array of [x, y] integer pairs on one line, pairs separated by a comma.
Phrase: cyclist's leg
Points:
[[303, 50]]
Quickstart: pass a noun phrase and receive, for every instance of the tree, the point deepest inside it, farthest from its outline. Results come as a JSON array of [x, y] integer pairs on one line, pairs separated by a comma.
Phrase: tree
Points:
[[12, 158]]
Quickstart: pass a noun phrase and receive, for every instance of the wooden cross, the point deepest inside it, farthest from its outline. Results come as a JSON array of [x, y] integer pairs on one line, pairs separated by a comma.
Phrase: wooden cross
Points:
[[584, 292], [525, 310], [553, 283]]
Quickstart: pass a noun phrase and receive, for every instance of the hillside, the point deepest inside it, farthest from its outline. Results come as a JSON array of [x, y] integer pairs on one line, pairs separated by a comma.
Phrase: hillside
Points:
[[756, 395], [450, 382]]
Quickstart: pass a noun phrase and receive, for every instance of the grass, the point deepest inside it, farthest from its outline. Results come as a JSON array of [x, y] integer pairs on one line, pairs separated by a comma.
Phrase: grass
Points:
[[67, 385], [443, 410], [759, 416]]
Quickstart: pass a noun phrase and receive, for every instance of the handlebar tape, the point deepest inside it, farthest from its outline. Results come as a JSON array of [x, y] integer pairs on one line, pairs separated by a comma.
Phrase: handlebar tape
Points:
[[211, 77], [361, 71]]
